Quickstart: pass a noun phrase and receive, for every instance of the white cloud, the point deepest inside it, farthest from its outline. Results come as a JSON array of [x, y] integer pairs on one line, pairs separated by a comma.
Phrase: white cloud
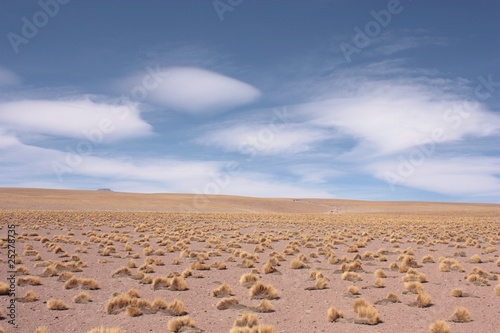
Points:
[[33, 165], [261, 185], [387, 117], [459, 176], [265, 139], [192, 90], [79, 118], [315, 173], [8, 78]]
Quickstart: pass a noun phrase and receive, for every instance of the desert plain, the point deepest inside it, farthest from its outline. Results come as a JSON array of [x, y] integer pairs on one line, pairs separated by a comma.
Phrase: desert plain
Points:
[[97, 261]]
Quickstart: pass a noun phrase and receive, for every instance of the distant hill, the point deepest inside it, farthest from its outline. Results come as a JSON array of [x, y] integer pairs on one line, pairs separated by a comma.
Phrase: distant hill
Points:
[[49, 199]]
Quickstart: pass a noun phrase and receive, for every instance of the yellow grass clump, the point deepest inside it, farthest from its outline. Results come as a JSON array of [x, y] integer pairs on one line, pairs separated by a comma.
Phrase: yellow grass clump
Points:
[[178, 284], [439, 327], [28, 281], [29, 297], [227, 303], [224, 290], [353, 290], [55, 304], [423, 299], [333, 314], [366, 312], [4, 288], [105, 330], [247, 319], [82, 298], [260, 290], [178, 324], [461, 315], [351, 276]]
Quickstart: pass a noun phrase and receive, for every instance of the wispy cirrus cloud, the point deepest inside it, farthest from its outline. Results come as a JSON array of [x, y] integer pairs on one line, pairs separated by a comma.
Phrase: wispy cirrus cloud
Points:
[[265, 139], [8, 78], [389, 116], [456, 176]]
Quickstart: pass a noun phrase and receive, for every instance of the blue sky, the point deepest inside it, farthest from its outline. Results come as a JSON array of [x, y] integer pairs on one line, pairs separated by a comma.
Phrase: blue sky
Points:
[[372, 100]]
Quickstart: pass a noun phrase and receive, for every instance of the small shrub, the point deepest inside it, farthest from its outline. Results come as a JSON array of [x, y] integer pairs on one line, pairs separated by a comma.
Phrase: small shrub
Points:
[[439, 327], [461, 315], [333, 314], [55, 304], [227, 303], [223, 291], [133, 311], [353, 290], [82, 298], [423, 299], [247, 319], [89, 284], [260, 290], [177, 324], [122, 272]]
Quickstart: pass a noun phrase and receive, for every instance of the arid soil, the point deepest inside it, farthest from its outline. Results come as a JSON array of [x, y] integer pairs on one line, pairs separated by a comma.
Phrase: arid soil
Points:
[[307, 263]]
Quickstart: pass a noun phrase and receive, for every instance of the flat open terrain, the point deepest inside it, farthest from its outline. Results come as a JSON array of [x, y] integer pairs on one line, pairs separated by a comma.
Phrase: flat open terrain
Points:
[[138, 262]]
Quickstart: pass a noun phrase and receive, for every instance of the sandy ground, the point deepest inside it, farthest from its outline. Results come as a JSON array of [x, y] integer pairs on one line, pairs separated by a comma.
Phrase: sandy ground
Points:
[[296, 310], [85, 223], [49, 199]]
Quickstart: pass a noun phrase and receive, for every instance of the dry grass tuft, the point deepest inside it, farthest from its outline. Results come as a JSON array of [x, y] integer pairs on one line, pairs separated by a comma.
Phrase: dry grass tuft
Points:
[[176, 308], [413, 287], [72, 283], [247, 280], [105, 330], [461, 315], [265, 306], [133, 311], [298, 264], [333, 314], [82, 298], [178, 284], [4, 288], [439, 327], [29, 297], [122, 272], [28, 281], [353, 290], [224, 290], [260, 291], [457, 293], [65, 276], [247, 319], [379, 273], [89, 284], [423, 299], [367, 313], [56, 304], [227, 303], [393, 298], [177, 324], [161, 283], [351, 276]]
